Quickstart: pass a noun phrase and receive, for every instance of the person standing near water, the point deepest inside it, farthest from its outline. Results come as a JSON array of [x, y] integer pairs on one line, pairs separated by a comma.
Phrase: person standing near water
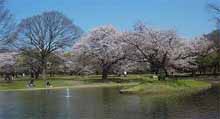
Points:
[[48, 84], [125, 74], [31, 84]]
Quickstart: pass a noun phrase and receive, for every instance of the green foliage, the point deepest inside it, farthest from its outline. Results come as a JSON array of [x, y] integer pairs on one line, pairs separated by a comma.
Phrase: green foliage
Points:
[[210, 59]]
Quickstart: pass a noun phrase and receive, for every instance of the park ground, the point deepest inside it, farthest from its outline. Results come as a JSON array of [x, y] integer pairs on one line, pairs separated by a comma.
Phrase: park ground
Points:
[[132, 84]]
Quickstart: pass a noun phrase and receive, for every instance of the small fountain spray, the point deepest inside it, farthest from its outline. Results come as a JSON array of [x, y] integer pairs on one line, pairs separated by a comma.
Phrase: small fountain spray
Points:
[[67, 93]]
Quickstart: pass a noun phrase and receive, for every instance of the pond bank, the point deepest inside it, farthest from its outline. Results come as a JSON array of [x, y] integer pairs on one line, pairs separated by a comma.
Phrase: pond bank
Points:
[[168, 87], [92, 85], [135, 84], [61, 81]]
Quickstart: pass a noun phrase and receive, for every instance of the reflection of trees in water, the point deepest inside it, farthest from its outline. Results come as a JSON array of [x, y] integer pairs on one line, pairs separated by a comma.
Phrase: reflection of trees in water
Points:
[[199, 106], [113, 105], [45, 104], [154, 108], [207, 103], [24, 104], [107, 103], [190, 107], [117, 106]]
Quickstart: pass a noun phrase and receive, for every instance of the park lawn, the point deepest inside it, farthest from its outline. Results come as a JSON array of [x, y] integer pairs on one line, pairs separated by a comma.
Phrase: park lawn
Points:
[[168, 87], [62, 82], [22, 84], [98, 77], [138, 84]]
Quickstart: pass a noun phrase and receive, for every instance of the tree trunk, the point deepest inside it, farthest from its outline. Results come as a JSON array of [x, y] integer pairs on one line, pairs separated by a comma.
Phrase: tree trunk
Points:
[[32, 74], [215, 70], [44, 70], [36, 75], [166, 72], [44, 74], [105, 70], [193, 73], [104, 75]]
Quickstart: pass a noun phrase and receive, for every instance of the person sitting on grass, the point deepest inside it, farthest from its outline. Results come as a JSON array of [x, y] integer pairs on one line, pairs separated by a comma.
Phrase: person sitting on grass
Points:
[[48, 84], [31, 84]]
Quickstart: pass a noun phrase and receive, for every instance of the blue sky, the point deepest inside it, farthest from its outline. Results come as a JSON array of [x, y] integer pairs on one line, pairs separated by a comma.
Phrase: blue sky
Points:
[[189, 18]]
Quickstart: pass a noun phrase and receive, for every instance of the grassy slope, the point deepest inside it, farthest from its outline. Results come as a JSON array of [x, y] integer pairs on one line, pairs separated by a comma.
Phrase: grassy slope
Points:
[[167, 87], [146, 84], [39, 84], [20, 85], [70, 81]]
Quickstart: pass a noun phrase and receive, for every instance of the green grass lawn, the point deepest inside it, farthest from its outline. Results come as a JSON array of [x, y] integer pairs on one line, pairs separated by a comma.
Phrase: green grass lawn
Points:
[[167, 87], [22, 84], [141, 84], [68, 81]]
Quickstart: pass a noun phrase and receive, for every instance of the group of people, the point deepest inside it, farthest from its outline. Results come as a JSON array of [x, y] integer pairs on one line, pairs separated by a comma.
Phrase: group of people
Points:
[[31, 84]]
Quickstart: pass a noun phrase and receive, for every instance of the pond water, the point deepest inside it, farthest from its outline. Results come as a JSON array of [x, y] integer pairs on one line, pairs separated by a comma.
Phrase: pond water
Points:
[[106, 103]]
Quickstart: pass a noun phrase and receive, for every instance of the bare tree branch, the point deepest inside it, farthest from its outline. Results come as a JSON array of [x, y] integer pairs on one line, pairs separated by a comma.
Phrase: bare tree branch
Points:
[[46, 33]]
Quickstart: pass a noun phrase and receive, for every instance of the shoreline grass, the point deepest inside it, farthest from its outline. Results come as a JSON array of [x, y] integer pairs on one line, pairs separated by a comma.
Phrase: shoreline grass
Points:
[[168, 87], [57, 83], [100, 85], [138, 84], [70, 81]]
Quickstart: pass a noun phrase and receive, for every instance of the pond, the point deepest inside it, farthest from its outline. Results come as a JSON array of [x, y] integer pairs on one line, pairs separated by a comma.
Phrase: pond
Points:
[[106, 103]]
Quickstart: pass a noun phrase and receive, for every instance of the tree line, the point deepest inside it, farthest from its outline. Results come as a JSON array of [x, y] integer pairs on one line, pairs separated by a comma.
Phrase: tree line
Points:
[[50, 43]]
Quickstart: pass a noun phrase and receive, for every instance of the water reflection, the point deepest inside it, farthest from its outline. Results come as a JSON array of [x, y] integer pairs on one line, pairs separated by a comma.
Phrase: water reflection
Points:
[[107, 103], [204, 105]]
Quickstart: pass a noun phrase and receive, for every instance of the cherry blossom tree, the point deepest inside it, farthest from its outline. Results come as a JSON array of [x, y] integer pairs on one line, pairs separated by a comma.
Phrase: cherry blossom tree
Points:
[[152, 46], [7, 64], [103, 47], [81, 63], [110, 51], [193, 51]]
